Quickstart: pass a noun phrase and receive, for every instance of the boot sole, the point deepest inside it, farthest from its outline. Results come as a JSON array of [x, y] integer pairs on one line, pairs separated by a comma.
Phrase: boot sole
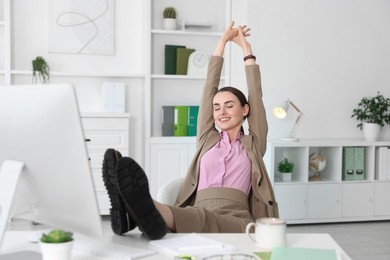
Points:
[[134, 189], [120, 222]]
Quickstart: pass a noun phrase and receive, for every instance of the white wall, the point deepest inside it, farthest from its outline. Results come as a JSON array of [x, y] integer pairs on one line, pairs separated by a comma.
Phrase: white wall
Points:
[[29, 39], [324, 56]]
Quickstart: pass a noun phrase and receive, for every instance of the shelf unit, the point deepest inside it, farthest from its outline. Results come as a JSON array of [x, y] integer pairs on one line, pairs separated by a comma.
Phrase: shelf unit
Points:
[[5, 46], [330, 199], [167, 158], [104, 131]]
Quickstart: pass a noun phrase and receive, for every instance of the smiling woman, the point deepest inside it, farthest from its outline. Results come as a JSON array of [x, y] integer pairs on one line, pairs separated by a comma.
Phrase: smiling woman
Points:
[[221, 192]]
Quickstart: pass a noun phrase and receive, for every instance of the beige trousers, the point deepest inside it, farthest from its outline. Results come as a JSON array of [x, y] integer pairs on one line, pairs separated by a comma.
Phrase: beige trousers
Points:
[[216, 210]]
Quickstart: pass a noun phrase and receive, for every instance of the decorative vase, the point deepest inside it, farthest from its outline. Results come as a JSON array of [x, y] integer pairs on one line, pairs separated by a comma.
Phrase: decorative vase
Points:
[[56, 251], [286, 176], [371, 131], [169, 24]]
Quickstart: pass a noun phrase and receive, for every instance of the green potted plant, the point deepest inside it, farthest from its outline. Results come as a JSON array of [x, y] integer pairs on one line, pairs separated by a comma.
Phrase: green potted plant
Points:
[[286, 167], [56, 245], [40, 70], [169, 15], [372, 113]]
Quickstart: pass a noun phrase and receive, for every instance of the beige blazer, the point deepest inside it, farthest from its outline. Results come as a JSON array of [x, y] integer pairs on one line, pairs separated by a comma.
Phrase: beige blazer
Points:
[[262, 199]]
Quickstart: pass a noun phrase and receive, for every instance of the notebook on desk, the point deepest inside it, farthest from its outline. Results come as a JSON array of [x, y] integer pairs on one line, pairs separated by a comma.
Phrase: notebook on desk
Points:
[[296, 253]]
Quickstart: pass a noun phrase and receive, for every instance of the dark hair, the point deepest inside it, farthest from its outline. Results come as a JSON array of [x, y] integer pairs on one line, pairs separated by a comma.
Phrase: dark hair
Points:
[[241, 97]]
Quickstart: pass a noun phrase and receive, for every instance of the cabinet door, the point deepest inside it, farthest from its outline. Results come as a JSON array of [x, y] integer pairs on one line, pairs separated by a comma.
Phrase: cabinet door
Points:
[[356, 199], [381, 199], [324, 200], [168, 162], [291, 199]]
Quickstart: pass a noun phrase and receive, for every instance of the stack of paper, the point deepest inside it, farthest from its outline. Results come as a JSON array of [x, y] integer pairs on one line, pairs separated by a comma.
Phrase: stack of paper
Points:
[[191, 244]]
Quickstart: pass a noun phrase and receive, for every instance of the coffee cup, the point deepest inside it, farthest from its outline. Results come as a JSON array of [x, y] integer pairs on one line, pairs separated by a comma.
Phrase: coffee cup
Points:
[[269, 233]]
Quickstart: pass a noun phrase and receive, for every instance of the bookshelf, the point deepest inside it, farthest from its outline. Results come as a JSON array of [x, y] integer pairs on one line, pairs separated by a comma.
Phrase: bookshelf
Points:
[[330, 199], [167, 158]]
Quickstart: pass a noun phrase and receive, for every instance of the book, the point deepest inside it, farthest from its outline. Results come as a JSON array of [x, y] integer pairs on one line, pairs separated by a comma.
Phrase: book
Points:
[[348, 163], [180, 121], [170, 58], [191, 244], [192, 120], [182, 55], [359, 163], [388, 164], [381, 163], [167, 124]]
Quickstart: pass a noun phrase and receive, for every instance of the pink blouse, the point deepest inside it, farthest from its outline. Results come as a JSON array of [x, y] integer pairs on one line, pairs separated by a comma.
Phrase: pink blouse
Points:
[[226, 165]]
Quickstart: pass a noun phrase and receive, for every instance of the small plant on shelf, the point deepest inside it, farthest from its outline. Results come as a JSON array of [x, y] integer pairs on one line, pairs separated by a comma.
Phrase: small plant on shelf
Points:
[[372, 113], [40, 70], [286, 167], [169, 15], [374, 110]]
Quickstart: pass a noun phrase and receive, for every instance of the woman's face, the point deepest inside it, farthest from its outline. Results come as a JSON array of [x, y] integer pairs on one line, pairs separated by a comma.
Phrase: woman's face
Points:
[[228, 112]]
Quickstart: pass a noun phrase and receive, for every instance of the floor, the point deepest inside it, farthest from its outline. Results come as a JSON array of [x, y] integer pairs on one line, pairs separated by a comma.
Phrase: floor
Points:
[[360, 240]]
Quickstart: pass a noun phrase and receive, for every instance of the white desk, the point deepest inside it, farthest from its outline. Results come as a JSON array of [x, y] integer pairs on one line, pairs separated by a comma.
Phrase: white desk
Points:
[[15, 241]]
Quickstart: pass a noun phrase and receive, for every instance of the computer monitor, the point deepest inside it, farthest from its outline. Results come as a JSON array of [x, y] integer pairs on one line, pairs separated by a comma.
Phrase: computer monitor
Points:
[[45, 175]]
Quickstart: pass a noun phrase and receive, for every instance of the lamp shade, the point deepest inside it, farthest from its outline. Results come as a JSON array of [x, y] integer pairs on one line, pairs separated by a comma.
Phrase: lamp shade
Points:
[[281, 111]]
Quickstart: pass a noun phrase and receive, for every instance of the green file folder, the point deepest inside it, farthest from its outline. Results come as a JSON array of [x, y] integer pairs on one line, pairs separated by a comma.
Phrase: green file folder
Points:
[[170, 58], [359, 163], [348, 163], [182, 55], [192, 120], [181, 121]]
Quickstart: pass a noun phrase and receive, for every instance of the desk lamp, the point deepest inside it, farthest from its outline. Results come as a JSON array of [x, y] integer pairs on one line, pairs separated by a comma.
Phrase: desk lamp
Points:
[[281, 113]]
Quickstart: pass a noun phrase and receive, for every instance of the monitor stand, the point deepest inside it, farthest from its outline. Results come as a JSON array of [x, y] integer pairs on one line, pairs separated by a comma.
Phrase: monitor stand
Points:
[[9, 176]]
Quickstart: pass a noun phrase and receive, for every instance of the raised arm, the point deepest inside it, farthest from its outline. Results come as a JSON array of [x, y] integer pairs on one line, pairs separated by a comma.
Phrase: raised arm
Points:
[[257, 121]]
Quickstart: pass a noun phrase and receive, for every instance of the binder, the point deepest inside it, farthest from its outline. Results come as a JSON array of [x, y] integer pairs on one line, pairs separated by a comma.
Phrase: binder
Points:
[[182, 55], [381, 163], [388, 164], [348, 163], [181, 121], [192, 120], [170, 58], [359, 163], [167, 120]]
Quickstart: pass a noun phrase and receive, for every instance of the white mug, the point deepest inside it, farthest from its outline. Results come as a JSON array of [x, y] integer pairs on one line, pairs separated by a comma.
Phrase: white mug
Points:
[[269, 232]]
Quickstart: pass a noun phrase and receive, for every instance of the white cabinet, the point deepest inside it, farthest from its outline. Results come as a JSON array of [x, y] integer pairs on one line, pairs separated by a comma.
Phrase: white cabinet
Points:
[[381, 198], [331, 198], [170, 161], [103, 131], [356, 199], [167, 158], [323, 200], [291, 199]]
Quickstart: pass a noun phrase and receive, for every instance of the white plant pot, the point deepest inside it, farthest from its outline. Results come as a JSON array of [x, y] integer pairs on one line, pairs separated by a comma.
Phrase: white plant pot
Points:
[[56, 251], [371, 131], [169, 24], [286, 176]]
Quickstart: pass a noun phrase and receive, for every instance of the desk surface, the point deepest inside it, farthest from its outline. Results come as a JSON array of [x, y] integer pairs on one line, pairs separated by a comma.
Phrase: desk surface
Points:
[[15, 241]]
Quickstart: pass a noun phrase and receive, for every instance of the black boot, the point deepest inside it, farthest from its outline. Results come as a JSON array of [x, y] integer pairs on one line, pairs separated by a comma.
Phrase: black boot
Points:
[[121, 221], [134, 189]]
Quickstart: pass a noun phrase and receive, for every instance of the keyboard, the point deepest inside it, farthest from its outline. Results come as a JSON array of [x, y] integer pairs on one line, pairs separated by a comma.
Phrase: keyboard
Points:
[[107, 249]]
